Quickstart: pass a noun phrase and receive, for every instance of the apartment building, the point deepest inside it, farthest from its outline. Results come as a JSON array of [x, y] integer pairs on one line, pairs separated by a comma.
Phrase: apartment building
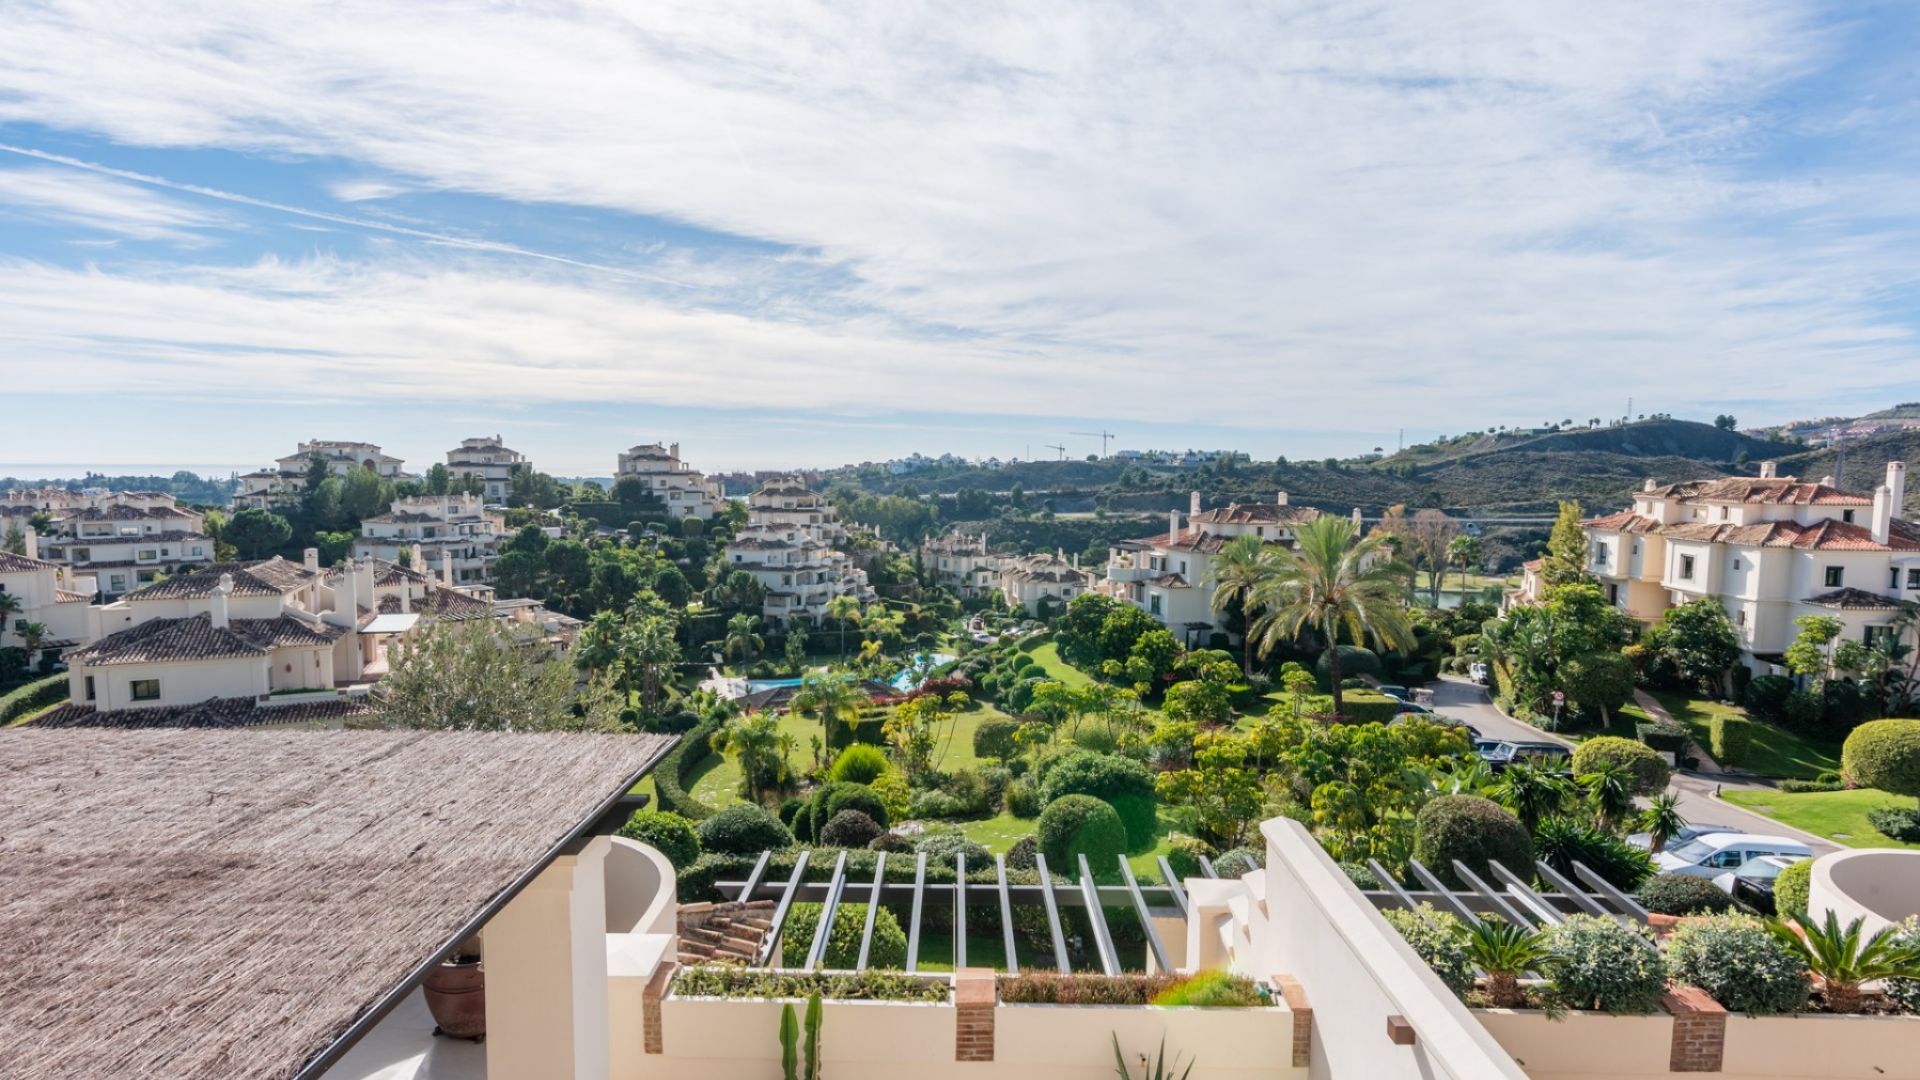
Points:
[[488, 460], [682, 489], [458, 536], [1170, 575], [123, 547], [1043, 582], [1769, 549], [962, 563], [789, 545], [271, 487], [36, 592]]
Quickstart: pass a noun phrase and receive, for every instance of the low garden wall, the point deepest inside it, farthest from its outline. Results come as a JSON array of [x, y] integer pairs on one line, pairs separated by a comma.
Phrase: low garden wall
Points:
[[1582, 1045], [1598, 1046]]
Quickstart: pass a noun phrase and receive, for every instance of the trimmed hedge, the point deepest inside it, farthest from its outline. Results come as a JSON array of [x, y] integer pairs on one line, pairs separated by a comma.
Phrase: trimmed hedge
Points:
[[843, 941], [1650, 773], [670, 776], [1790, 889], [1884, 754], [1667, 735], [1684, 894], [743, 829], [1475, 831], [829, 799], [1121, 782], [1076, 825], [1731, 737], [31, 698], [669, 834], [1369, 708]]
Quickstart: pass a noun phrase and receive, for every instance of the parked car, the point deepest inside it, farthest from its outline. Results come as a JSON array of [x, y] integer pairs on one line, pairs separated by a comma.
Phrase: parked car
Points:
[[1408, 705], [1752, 884], [1687, 832], [1714, 854], [1479, 673], [1501, 753], [1393, 691]]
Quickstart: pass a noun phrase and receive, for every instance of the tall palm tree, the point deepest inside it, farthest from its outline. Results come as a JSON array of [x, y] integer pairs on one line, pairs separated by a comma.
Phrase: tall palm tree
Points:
[[1505, 952], [648, 648], [844, 609], [10, 605], [598, 648], [1530, 793], [1333, 580], [1843, 960], [755, 742], [1236, 576], [33, 635], [831, 698], [1463, 551], [1609, 787], [1662, 821], [742, 638]]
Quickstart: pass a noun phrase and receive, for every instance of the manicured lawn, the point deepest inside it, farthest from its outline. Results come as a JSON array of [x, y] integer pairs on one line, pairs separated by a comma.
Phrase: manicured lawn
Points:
[[1775, 751], [1048, 657], [1840, 816], [716, 781], [999, 833]]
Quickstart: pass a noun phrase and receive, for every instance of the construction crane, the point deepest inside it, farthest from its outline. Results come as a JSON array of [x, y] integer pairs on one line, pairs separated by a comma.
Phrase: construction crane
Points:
[[1103, 435], [1057, 446]]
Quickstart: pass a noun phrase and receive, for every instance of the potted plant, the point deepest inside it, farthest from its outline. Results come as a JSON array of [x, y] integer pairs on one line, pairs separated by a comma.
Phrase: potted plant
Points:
[[456, 993]]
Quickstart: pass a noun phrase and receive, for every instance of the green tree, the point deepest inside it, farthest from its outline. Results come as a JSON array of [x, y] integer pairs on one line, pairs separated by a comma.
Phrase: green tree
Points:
[[1221, 788], [363, 494], [517, 573], [1725, 422], [1236, 576], [649, 648], [1662, 820], [15, 542], [1566, 558], [1609, 786], [1505, 952], [794, 647], [438, 479], [1333, 581], [256, 532], [831, 698], [755, 742], [1465, 551], [743, 639], [1844, 957], [1699, 640], [1811, 654], [844, 610], [467, 677]]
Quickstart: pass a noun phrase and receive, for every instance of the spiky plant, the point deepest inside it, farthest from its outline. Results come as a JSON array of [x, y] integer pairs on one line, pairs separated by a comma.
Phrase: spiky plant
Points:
[[1843, 957], [1157, 1069], [1609, 787], [1531, 793], [1661, 820], [1505, 952]]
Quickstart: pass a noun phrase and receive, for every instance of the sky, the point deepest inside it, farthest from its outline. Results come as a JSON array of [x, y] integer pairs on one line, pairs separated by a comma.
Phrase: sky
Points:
[[805, 234]]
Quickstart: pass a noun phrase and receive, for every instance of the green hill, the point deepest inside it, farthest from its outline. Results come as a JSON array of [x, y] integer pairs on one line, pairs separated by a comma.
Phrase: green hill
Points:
[[1648, 438], [1866, 464]]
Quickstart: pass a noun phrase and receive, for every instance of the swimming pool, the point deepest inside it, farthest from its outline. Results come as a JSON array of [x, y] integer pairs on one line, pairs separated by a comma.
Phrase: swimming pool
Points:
[[907, 680], [754, 686]]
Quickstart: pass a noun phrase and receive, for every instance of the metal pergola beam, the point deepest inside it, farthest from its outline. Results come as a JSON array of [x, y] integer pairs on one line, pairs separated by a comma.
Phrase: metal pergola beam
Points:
[[959, 910], [1625, 903], [753, 879], [1553, 877], [919, 896], [1447, 896], [873, 910], [1146, 917], [1053, 914], [1493, 899], [823, 930], [772, 944], [1102, 940], [1173, 886], [1006, 912], [1523, 892]]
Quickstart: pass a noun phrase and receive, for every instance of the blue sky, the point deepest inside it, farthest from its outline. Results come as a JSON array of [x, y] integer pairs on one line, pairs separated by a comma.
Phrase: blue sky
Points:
[[817, 233]]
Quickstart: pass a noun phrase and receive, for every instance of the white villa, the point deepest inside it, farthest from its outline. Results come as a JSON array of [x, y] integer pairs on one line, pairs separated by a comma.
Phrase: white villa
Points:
[[1033, 581], [123, 545], [1769, 550], [1169, 575], [46, 593], [962, 563], [454, 532], [788, 545], [270, 487], [684, 490], [488, 459]]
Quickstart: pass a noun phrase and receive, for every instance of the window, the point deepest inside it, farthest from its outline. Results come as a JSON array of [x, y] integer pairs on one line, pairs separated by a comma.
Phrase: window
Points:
[[1835, 574], [145, 689], [82, 554], [1726, 512], [1846, 516], [1913, 578], [1727, 859], [89, 688], [1736, 564], [1153, 604], [1686, 568], [1600, 554], [1740, 617]]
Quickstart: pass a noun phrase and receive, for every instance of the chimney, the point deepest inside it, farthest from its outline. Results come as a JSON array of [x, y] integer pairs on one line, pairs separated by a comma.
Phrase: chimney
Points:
[[1357, 519], [1076, 560], [417, 558], [1280, 498], [220, 593], [1897, 486], [32, 550], [346, 597], [1173, 526], [1193, 504], [1882, 514], [446, 569], [406, 598], [1768, 469], [1648, 484], [310, 559], [1827, 480]]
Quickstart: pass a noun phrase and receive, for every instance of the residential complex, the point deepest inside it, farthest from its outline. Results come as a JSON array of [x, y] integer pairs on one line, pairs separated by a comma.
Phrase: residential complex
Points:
[[35, 592], [1769, 550], [962, 563], [488, 460], [683, 490], [790, 545], [276, 486], [123, 540], [1170, 575], [456, 535], [1038, 584]]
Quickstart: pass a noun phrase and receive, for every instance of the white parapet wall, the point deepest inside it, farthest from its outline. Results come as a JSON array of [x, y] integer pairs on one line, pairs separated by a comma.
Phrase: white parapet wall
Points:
[[1878, 886]]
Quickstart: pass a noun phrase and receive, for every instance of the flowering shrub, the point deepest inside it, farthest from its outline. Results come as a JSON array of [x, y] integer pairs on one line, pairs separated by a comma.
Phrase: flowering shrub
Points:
[[1599, 964]]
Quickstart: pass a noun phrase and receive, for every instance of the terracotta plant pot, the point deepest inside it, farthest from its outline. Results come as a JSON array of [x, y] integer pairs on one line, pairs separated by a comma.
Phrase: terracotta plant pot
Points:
[[456, 994]]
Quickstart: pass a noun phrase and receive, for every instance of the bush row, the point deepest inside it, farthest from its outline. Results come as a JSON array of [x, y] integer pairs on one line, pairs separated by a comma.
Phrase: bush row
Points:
[[31, 698], [670, 776]]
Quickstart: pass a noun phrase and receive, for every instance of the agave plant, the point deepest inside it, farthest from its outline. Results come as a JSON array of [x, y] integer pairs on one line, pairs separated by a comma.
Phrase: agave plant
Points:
[[1662, 821], [1843, 958], [1158, 1069], [1505, 952]]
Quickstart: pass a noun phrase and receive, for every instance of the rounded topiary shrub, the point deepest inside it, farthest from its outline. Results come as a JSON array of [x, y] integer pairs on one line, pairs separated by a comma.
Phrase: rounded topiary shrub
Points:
[[1790, 889], [1475, 831], [1650, 771], [888, 952], [1735, 959], [1354, 662], [1684, 894], [1023, 798], [1439, 939], [995, 739], [1884, 754], [858, 764], [890, 841], [830, 799], [743, 829], [1238, 861], [1020, 855], [850, 828], [1185, 852], [1076, 825], [1120, 782], [941, 847], [667, 833], [1599, 964]]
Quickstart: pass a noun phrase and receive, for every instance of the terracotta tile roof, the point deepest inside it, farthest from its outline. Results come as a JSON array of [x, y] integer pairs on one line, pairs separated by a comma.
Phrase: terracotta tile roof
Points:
[[1784, 490], [1852, 599], [212, 713], [1819, 536], [170, 536], [20, 564], [68, 596], [1624, 521], [1170, 581], [446, 605], [1046, 568], [196, 638], [1256, 514], [266, 577], [124, 513]]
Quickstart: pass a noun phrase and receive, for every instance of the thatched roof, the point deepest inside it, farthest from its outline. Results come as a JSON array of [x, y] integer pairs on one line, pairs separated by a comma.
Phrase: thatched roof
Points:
[[224, 903]]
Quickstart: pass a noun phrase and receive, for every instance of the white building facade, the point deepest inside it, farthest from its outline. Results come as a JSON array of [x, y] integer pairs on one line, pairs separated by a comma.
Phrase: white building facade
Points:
[[683, 490], [1043, 584], [455, 533], [1170, 575], [790, 545], [963, 564], [268, 488], [488, 460]]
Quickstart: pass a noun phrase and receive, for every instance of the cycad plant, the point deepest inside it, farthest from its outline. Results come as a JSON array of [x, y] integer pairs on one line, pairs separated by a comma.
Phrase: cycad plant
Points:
[[1157, 1069], [1661, 820], [1844, 958], [1609, 787], [1531, 793], [1505, 952]]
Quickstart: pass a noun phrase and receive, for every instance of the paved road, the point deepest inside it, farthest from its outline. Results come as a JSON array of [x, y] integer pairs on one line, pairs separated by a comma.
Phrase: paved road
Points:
[[1459, 698]]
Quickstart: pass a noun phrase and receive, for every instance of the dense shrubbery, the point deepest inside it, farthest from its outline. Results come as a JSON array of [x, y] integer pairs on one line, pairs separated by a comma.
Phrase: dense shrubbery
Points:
[[743, 829], [1185, 853], [1600, 964], [1561, 842], [1048, 988], [1024, 798], [1436, 937], [1121, 782], [1766, 698], [850, 828], [941, 847], [1667, 735], [888, 952], [1898, 822], [729, 980], [1731, 737], [1684, 894], [994, 739], [1791, 887], [858, 764], [31, 698], [1744, 967], [1213, 988], [1474, 831], [1238, 861], [1884, 754], [1650, 773], [670, 776], [829, 799], [1076, 825], [669, 834]]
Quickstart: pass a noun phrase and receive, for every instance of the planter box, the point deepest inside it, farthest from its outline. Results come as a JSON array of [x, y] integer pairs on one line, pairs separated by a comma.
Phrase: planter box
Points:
[[1582, 1044], [1075, 1042], [1820, 1044], [739, 1038]]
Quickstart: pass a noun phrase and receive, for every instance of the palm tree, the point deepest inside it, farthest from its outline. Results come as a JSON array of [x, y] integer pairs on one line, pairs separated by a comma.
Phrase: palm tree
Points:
[[742, 638], [33, 635], [830, 698], [844, 609], [1505, 952], [1332, 580], [1662, 821], [1464, 551], [1530, 793], [648, 648], [1609, 787], [756, 743], [1236, 575], [10, 605], [1843, 961]]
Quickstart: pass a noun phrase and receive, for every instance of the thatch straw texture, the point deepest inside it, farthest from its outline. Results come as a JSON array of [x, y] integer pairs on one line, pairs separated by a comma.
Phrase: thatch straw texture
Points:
[[224, 903]]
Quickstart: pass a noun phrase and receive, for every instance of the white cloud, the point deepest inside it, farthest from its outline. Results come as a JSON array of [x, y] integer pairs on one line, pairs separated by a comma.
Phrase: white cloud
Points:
[[1286, 214], [66, 197]]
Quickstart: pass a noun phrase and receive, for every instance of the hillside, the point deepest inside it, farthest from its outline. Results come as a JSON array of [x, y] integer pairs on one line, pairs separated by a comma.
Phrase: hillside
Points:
[[1866, 464], [1906, 410], [1648, 438]]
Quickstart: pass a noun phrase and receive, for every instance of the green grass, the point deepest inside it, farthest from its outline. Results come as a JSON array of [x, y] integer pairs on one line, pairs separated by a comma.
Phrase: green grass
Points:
[[999, 833], [1840, 816], [1774, 752], [716, 781], [1048, 657]]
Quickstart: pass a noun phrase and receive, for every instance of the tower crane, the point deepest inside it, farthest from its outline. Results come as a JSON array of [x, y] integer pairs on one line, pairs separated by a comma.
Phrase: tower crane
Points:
[[1057, 446], [1103, 435]]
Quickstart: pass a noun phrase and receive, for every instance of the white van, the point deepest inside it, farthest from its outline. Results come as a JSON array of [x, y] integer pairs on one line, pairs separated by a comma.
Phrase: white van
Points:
[[1716, 853]]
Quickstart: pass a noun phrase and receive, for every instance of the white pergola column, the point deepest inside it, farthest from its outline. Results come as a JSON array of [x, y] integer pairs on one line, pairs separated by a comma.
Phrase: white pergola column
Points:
[[546, 962]]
